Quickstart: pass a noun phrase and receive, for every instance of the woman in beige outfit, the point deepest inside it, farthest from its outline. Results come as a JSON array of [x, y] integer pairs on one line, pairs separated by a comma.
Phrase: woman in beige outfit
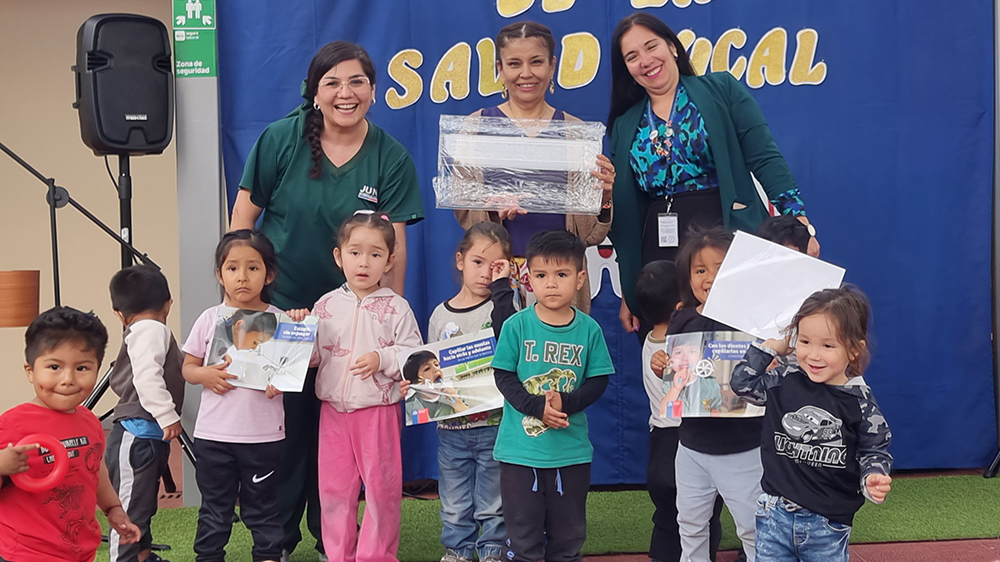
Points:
[[526, 63]]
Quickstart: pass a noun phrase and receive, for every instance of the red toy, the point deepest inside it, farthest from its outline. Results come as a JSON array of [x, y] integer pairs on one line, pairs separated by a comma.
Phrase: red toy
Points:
[[59, 466]]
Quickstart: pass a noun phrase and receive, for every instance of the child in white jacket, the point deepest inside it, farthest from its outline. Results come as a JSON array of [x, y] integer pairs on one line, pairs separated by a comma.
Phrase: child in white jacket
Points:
[[360, 327]]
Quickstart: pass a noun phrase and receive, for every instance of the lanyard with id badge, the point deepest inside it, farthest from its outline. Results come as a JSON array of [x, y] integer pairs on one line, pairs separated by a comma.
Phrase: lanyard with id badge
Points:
[[667, 228]]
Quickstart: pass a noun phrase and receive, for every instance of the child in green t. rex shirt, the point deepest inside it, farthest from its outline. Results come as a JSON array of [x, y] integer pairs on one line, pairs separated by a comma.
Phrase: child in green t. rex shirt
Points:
[[550, 364]]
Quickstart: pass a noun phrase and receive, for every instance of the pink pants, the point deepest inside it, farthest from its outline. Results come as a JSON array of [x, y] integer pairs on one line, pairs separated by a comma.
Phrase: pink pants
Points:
[[362, 446]]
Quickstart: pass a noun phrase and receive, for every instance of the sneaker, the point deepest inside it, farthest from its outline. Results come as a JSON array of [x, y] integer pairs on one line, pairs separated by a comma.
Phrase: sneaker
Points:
[[492, 558], [452, 556], [154, 557], [285, 556], [323, 557]]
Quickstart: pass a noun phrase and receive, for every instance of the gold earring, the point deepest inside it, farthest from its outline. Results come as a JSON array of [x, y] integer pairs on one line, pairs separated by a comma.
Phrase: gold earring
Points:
[[552, 85], [503, 91]]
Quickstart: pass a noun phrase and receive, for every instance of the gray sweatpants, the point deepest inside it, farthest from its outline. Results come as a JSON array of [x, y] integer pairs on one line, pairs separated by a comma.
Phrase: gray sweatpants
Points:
[[700, 477]]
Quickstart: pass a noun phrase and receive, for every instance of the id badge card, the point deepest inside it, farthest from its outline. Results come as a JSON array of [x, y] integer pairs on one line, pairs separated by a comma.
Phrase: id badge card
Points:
[[668, 230]]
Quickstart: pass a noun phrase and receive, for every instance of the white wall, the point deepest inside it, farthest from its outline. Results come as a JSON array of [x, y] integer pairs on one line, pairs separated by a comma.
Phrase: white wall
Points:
[[38, 42]]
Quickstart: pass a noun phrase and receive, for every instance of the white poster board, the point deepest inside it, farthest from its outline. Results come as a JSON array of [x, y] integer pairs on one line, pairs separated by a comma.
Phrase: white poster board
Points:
[[761, 285]]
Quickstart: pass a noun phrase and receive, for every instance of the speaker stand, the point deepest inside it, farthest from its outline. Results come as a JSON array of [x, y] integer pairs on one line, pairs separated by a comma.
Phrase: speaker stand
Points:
[[58, 197], [125, 207]]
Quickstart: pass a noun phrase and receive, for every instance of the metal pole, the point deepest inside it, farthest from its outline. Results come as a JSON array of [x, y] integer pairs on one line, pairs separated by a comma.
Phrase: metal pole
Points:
[[125, 207], [992, 470], [55, 240]]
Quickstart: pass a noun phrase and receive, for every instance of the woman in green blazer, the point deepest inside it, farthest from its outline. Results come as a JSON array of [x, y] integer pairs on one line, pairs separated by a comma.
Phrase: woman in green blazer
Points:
[[684, 147]]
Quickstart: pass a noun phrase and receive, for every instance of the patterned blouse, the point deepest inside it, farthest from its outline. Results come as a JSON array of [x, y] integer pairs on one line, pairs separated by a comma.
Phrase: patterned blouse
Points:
[[673, 156]]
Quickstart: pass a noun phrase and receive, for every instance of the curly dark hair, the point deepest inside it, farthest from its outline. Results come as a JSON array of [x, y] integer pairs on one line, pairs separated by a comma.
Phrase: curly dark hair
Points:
[[62, 323]]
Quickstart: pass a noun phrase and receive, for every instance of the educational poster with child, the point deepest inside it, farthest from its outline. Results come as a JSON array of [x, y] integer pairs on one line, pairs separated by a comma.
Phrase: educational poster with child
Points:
[[450, 378], [263, 348], [696, 379]]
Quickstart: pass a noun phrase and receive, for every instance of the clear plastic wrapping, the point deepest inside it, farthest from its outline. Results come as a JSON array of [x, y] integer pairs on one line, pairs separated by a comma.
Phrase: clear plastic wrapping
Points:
[[494, 163]]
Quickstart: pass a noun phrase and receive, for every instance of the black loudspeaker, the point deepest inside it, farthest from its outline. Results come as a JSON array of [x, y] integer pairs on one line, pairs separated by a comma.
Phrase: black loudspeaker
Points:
[[124, 84]]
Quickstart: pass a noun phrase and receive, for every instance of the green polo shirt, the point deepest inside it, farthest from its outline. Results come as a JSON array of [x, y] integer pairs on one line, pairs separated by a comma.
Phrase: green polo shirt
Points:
[[302, 215], [548, 358]]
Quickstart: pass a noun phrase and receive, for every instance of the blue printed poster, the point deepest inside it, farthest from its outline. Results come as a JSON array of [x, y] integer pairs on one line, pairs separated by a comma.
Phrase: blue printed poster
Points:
[[450, 378], [696, 379], [263, 348]]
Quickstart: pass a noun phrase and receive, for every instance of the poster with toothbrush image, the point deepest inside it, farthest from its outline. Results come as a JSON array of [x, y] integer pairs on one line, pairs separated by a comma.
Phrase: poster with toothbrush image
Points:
[[450, 378], [696, 378], [263, 348]]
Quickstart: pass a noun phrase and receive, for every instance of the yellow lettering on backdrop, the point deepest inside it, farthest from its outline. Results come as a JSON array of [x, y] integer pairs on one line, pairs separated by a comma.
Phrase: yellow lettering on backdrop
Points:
[[401, 69], [511, 8], [553, 6], [452, 74], [699, 50], [489, 81], [803, 72], [581, 57], [686, 37], [767, 61], [720, 57]]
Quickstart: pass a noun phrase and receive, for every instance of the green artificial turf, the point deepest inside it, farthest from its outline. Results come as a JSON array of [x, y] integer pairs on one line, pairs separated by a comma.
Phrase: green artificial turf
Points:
[[941, 507]]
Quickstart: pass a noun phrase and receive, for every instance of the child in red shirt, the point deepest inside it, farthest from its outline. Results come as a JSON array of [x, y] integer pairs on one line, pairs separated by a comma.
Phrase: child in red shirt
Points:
[[64, 349]]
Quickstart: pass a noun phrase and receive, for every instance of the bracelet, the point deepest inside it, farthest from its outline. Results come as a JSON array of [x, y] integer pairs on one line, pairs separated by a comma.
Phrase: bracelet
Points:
[[110, 508]]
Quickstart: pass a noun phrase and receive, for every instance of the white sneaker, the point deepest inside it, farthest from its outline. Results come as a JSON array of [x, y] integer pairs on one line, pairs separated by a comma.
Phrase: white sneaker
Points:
[[323, 557], [285, 556], [452, 556]]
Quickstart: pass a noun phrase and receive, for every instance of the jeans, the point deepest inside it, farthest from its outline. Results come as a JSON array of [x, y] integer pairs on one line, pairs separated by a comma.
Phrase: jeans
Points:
[[787, 532], [469, 486]]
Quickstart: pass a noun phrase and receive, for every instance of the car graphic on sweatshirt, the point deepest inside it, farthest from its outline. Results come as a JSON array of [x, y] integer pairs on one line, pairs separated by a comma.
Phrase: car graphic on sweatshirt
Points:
[[810, 423]]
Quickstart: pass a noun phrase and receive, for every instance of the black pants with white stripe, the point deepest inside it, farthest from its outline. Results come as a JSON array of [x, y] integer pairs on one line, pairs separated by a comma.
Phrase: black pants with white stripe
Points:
[[245, 470], [135, 467]]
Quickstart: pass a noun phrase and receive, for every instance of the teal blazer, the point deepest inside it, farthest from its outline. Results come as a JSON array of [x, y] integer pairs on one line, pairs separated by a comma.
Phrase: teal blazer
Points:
[[741, 143]]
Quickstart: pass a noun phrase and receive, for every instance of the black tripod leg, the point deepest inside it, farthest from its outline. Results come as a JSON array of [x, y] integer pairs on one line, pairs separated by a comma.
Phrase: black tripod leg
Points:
[[102, 386], [994, 466], [188, 446]]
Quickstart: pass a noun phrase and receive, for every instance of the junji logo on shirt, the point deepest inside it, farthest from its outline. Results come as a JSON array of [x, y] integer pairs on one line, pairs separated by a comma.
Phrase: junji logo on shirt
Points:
[[368, 193]]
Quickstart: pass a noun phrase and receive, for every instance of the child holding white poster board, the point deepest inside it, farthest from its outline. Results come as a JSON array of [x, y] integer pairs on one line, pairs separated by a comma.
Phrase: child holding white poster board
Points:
[[827, 444], [716, 454]]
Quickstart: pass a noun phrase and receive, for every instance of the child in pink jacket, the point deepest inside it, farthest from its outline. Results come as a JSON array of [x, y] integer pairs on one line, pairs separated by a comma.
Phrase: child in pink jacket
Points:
[[360, 327]]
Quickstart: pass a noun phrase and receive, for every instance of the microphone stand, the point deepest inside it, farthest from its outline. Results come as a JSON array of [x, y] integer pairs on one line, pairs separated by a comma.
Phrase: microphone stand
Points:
[[57, 197]]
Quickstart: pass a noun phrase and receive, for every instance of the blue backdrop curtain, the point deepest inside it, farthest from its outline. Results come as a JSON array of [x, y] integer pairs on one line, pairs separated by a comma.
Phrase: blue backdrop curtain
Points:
[[893, 150]]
